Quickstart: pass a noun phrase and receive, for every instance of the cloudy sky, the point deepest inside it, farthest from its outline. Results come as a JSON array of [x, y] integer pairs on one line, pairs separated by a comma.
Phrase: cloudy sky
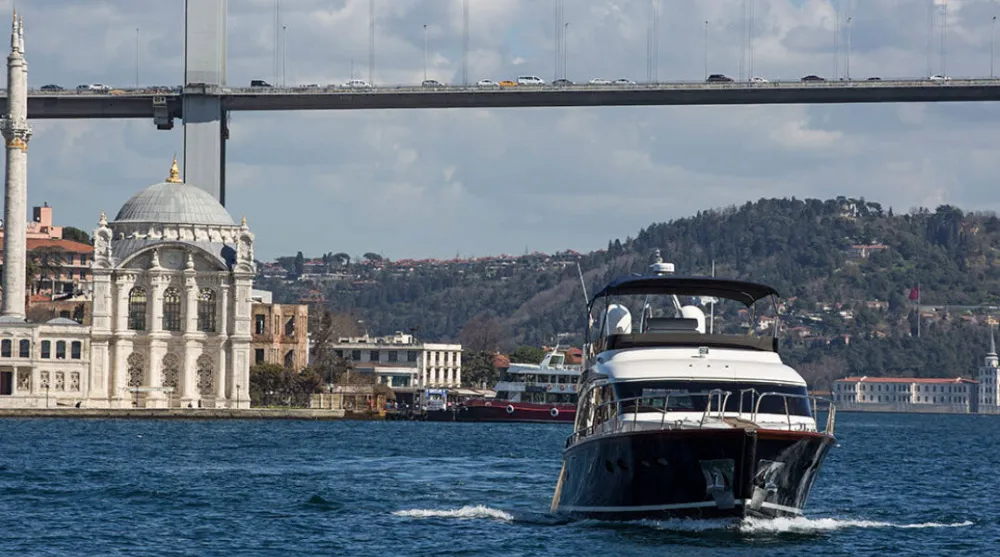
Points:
[[436, 183]]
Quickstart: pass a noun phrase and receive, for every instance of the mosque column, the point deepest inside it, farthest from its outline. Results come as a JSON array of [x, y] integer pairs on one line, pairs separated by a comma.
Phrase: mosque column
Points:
[[189, 371], [157, 336], [222, 321], [121, 344]]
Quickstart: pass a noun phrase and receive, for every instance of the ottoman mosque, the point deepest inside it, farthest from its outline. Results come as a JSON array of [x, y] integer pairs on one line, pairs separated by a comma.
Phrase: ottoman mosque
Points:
[[172, 275]]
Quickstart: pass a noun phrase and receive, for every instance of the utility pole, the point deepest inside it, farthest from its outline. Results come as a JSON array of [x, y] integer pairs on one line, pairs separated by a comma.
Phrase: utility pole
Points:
[[425, 52], [565, 48], [848, 72], [706, 49], [993, 42]]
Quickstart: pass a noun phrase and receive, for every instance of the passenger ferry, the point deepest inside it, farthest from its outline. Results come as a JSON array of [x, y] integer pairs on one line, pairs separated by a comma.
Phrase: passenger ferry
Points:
[[545, 392]]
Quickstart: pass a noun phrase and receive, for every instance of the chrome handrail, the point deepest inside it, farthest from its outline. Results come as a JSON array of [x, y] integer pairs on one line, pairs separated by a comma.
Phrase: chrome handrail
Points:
[[706, 413], [815, 400]]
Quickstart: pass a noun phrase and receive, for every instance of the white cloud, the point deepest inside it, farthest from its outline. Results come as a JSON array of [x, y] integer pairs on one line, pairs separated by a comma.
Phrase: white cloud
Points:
[[430, 183]]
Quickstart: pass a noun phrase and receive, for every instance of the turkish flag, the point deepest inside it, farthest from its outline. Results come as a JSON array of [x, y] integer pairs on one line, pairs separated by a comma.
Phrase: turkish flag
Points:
[[915, 293]]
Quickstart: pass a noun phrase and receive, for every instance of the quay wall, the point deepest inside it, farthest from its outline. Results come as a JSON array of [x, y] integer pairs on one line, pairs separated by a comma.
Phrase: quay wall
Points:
[[185, 414]]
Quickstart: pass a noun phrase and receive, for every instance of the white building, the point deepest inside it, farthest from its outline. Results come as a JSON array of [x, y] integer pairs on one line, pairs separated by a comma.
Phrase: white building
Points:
[[906, 394], [989, 380], [172, 278], [401, 361]]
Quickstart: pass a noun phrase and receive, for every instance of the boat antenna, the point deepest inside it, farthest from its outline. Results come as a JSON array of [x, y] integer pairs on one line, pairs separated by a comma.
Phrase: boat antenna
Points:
[[583, 283], [661, 269]]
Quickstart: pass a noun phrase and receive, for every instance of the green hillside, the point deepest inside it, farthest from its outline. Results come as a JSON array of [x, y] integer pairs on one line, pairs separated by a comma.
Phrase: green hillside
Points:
[[844, 266]]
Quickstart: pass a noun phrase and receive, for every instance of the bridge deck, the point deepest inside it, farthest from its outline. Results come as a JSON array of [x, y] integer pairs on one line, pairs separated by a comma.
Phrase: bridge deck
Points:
[[138, 103]]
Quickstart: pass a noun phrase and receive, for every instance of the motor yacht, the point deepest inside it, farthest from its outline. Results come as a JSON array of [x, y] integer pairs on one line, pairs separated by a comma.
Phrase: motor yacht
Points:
[[688, 412]]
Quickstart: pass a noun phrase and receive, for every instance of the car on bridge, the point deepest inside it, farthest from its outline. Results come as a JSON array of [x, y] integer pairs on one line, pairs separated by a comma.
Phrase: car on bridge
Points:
[[718, 78], [939, 77], [259, 83], [94, 87], [623, 81], [758, 79], [530, 80], [812, 78], [52, 87], [599, 81], [508, 83], [562, 83], [488, 83], [357, 84], [431, 83]]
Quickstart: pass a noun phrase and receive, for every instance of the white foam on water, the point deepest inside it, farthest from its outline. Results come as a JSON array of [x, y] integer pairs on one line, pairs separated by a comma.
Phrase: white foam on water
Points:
[[800, 525], [466, 512]]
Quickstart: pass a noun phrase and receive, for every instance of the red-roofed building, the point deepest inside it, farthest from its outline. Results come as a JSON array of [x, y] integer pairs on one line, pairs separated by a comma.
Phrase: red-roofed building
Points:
[[906, 394], [61, 266]]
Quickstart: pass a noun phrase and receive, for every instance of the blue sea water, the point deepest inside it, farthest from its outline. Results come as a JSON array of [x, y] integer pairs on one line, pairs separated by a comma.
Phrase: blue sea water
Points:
[[894, 485]]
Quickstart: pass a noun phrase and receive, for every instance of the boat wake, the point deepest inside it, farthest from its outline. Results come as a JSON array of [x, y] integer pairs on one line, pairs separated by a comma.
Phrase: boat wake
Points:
[[748, 526], [466, 512]]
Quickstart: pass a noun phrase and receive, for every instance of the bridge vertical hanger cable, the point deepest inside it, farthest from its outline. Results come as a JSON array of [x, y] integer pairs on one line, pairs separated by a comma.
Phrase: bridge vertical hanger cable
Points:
[[750, 36], [836, 39], [656, 41], [371, 42], [743, 37], [465, 42], [944, 28]]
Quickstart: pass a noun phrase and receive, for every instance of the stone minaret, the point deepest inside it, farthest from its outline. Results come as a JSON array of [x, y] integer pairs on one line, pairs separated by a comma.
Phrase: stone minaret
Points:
[[16, 132]]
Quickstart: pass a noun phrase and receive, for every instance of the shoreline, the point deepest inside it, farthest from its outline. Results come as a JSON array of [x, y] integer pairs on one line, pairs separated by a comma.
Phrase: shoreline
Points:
[[188, 414]]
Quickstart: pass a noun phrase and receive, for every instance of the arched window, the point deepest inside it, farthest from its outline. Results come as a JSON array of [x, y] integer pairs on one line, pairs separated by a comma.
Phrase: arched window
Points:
[[76, 350], [137, 309], [172, 309], [171, 370], [136, 369], [206, 310], [46, 349], [61, 350], [24, 348], [5, 348], [290, 360], [206, 381]]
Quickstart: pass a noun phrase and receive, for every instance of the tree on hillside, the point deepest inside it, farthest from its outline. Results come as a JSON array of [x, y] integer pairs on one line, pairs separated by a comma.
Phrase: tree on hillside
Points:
[[484, 333], [300, 264], [75, 234], [527, 355], [327, 331]]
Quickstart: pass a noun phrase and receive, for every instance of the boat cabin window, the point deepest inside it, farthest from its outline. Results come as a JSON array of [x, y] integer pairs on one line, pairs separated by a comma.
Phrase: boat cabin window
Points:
[[691, 396]]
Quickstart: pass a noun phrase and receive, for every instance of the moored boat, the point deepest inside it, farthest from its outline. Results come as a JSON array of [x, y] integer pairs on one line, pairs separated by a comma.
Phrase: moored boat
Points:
[[681, 416], [538, 393]]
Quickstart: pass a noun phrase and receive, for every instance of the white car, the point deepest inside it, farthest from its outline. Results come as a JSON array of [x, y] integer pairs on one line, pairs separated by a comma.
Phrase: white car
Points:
[[758, 79], [489, 83], [624, 81], [357, 84], [599, 81], [939, 77], [530, 80]]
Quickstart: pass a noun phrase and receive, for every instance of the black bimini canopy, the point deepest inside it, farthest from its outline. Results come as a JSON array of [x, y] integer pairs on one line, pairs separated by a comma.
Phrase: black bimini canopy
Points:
[[741, 291]]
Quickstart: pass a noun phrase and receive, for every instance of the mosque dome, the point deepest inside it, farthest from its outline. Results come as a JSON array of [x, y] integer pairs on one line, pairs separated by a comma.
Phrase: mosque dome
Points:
[[174, 202]]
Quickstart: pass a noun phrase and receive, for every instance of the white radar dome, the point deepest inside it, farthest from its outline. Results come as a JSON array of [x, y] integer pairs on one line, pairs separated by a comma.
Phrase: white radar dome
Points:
[[618, 320]]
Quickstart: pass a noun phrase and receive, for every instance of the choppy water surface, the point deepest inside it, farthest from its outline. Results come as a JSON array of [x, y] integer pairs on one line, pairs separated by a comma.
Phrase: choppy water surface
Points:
[[896, 484]]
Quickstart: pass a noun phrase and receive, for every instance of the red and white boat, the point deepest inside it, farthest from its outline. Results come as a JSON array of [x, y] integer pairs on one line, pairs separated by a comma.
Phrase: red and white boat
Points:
[[545, 392]]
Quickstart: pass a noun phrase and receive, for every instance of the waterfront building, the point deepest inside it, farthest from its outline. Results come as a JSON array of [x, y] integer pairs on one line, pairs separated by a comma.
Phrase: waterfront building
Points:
[[403, 362], [903, 394], [280, 333], [170, 322], [989, 380]]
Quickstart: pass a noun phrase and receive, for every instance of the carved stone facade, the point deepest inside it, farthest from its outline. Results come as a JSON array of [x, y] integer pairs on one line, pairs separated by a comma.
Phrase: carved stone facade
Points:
[[171, 314]]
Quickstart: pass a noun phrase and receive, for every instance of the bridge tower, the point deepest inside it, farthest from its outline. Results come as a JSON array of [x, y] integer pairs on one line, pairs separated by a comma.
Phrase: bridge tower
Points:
[[205, 122]]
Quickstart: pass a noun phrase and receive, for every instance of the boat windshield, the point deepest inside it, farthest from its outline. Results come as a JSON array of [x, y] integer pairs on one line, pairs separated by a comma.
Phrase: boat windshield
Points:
[[692, 396]]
